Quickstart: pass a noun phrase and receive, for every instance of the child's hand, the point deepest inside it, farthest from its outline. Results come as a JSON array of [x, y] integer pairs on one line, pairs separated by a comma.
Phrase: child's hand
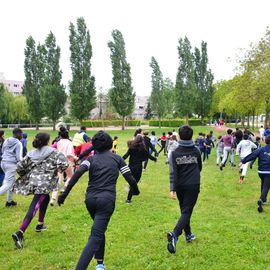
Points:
[[173, 195]]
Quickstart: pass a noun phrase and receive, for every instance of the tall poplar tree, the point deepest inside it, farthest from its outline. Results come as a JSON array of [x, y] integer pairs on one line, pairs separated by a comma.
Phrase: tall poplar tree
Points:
[[121, 95], [157, 94], [204, 81], [185, 86], [82, 85], [53, 96], [33, 70]]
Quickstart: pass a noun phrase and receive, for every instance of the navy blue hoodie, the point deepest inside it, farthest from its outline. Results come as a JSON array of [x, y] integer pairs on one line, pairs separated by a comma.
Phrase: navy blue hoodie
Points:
[[263, 154]]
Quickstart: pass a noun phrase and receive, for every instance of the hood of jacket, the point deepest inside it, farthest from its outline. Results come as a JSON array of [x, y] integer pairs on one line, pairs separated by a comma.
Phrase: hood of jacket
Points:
[[187, 143], [38, 155]]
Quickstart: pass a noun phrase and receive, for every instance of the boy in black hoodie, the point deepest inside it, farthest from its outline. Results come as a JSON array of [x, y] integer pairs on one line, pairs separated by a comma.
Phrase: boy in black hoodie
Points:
[[185, 167]]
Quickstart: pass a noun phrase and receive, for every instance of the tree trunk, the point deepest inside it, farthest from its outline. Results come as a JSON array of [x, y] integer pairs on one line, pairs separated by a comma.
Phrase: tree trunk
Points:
[[187, 119], [253, 119], [54, 124], [243, 121], [267, 114], [248, 121], [37, 127], [159, 122], [123, 123]]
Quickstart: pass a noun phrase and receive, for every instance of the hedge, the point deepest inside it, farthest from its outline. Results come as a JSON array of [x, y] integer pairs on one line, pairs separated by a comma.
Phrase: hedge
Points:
[[175, 122], [106, 123]]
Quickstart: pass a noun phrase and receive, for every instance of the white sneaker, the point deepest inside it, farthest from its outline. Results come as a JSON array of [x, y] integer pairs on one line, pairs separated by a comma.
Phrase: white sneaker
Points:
[[100, 267]]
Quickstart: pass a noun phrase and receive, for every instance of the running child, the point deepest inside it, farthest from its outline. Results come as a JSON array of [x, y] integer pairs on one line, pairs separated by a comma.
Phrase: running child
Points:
[[263, 155], [185, 167], [24, 143], [38, 172], [262, 130], [244, 148], [103, 169], [228, 149], [220, 148], [2, 174], [137, 154], [11, 155], [163, 140]]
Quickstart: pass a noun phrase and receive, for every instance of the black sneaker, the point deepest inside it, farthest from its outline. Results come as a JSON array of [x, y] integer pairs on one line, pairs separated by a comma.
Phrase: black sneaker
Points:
[[260, 204], [18, 239], [172, 240], [12, 203], [128, 201], [41, 228], [221, 167]]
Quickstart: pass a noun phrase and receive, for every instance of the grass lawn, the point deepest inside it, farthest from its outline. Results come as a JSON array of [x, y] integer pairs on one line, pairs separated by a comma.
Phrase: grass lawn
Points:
[[230, 233]]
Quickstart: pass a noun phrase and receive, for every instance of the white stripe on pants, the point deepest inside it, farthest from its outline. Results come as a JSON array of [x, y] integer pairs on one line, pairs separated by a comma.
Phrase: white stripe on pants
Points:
[[227, 150], [10, 175]]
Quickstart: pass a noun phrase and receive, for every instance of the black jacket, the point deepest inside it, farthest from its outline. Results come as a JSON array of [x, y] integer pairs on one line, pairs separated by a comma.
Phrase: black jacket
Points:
[[185, 165], [137, 157], [148, 144]]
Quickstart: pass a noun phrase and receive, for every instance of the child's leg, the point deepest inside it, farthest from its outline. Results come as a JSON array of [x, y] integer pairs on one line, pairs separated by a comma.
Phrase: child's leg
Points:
[[55, 192], [101, 210], [43, 209], [266, 186], [232, 156], [218, 157], [69, 173], [33, 208], [225, 155], [189, 198], [244, 168], [137, 173]]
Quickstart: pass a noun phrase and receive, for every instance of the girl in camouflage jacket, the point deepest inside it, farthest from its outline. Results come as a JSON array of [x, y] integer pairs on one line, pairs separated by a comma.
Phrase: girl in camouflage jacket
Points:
[[38, 176]]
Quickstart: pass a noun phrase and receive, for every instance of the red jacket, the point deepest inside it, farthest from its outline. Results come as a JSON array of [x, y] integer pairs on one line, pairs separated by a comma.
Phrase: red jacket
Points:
[[81, 148]]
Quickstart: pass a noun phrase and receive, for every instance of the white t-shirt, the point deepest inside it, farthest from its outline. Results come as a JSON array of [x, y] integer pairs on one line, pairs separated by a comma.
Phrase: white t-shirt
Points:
[[244, 148], [261, 130]]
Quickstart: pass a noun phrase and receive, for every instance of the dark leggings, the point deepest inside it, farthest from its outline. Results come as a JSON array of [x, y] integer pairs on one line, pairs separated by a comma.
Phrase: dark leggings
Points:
[[265, 185], [40, 202], [136, 171], [163, 147], [187, 197], [100, 210]]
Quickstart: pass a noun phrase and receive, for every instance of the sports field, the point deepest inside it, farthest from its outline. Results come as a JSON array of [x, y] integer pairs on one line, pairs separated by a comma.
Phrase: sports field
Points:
[[230, 233]]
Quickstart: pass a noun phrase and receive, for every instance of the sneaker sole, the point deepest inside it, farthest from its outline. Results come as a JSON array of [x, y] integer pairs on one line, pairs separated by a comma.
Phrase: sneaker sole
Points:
[[41, 230], [169, 245], [191, 240], [18, 243]]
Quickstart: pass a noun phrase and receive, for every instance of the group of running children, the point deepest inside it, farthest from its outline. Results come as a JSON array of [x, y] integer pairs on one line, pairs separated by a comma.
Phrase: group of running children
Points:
[[41, 171]]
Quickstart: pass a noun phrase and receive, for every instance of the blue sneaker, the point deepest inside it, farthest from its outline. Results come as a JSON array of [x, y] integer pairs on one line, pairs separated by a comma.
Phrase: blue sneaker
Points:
[[100, 267], [172, 240], [190, 238]]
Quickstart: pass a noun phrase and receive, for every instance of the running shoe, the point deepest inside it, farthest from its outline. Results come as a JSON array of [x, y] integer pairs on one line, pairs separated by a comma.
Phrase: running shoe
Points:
[[260, 204], [41, 228], [100, 267], [172, 240], [190, 237], [18, 239], [12, 203]]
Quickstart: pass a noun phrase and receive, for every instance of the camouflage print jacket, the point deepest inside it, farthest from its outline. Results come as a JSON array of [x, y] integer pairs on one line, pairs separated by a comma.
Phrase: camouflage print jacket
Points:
[[41, 177]]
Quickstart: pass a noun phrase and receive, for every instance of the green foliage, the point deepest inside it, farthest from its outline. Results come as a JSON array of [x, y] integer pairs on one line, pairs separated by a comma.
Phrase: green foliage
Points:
[[169, 97], [33, 71], [121, 95], [107, 123], [185, 87], [175, 122], [53, 96], [204, 82], [82, 85], [157, 97], [148, 113]]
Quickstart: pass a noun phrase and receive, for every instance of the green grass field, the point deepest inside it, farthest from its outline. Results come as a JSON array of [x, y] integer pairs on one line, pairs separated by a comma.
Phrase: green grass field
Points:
[[230, 233]]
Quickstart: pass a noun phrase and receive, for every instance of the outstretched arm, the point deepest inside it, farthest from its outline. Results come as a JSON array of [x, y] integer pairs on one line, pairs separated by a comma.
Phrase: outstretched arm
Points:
[[74, 179], [86, 152]]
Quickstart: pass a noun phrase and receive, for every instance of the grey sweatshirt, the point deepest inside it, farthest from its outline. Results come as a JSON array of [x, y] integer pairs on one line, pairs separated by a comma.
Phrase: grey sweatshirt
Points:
[[12, 151]]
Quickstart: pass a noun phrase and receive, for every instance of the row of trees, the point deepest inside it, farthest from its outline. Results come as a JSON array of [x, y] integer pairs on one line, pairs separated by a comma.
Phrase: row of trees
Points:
[[193, 90], [46, 95], [247, 94]]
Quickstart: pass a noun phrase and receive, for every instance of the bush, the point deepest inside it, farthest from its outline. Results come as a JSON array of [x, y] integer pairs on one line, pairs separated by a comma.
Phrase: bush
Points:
[[106, 123], [175, 122]]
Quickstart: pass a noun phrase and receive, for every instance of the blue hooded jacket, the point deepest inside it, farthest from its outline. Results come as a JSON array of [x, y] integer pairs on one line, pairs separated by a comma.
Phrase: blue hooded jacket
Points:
[[263, 154]]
